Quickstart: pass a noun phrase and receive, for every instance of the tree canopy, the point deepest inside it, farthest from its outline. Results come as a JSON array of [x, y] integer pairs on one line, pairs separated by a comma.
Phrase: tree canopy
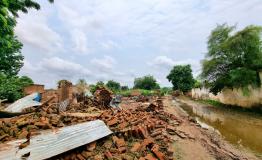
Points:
[[181, 77], [113, 85], [11, 88], [232, 60], [147, 82]]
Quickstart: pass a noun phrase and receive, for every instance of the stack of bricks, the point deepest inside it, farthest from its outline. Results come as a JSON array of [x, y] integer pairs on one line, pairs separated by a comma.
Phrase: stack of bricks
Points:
[[103, 96]]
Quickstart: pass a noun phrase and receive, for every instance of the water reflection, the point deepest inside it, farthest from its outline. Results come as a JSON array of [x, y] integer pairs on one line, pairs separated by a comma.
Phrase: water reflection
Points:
[[237, 127]]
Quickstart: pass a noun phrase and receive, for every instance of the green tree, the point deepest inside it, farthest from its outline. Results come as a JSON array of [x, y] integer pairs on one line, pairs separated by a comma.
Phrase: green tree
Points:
[[11, 88], [232, 60], [113, 85], [100, 83], [147, 82], [11, 59], [93, 87], [181, 77], [124, 88]]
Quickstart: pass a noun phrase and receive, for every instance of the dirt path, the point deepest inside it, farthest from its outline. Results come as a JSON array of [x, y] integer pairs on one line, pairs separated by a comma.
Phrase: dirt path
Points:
[[195, 143]]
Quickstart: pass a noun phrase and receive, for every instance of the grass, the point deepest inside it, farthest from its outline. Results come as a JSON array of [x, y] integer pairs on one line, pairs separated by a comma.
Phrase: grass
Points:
[[256, 110]]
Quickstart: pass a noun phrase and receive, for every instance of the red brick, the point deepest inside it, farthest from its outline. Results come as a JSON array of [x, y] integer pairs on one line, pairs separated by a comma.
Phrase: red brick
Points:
[[170, 128], [112, 122], [120, 142], [108, 155], [142, 132], [158, 154], [80, 157], [122, 125], [150, 157], [136, 147], [122, 149]]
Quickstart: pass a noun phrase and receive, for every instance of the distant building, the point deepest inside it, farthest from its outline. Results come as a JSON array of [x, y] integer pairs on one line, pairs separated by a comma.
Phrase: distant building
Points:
[[34, 88]]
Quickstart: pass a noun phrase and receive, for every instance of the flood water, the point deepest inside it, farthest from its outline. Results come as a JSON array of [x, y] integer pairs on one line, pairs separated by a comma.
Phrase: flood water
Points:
[[238, 127]]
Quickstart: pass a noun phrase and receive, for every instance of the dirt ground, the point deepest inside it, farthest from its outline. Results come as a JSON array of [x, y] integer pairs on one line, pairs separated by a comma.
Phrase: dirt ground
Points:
[[198, 143]]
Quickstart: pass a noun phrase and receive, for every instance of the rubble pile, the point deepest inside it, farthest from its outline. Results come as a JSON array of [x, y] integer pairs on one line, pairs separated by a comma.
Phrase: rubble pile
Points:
[[143, 132], [138, 134], [103, 96], [42, 118]]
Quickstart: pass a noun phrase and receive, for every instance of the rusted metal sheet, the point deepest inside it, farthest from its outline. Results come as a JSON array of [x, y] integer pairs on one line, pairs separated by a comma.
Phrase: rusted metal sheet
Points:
[[23, 103], [51, 143]]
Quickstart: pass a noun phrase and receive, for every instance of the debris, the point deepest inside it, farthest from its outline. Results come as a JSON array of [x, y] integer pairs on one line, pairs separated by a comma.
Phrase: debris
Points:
[[60, 141], [137, 127], [103, 96], [63, 105], [23, 103]]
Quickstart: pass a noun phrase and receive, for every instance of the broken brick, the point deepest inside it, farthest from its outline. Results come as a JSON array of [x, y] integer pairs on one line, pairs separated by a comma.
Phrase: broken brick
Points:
[[136, 147], [150, 157], [80, 157], [159, 155], [112, 122], [108, 155]]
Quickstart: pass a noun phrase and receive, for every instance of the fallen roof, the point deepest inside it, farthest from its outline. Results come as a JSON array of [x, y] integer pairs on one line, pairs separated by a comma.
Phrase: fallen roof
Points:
[[51, 143], [24, 103]]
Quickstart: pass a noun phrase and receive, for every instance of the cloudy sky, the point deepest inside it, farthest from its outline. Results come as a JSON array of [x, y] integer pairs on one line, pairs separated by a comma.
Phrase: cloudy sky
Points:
[[123, 39]]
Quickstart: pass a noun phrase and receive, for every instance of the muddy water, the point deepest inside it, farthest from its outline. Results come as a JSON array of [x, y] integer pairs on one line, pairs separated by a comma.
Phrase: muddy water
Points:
[[238, 127]]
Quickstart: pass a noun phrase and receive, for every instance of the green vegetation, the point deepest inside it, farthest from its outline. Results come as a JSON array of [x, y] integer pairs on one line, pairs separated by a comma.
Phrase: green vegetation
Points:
[[165, 91], [181, 77], [233, 60], [124, 88], [11, 59], [212, 102], [113, 85], [93, 87], [143, 92], [147, 83], [197, 84], [11, 88]]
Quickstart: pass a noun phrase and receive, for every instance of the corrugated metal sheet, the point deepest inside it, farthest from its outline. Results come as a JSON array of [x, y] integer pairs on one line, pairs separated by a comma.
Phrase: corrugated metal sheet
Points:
[[51, 143], [23, 103]]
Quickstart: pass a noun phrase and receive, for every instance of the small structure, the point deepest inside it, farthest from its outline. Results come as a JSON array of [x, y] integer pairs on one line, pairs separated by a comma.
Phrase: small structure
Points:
[[65, 91]]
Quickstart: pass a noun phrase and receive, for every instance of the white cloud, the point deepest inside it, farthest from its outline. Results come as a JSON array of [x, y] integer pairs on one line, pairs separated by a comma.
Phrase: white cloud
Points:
[[50, 70], [108, 45], [80, 41], [63, 68], [166, 63], [33, 30], [105, 64]]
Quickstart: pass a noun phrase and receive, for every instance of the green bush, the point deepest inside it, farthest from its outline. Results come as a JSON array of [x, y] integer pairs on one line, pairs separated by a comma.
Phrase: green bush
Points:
[[11, 87], [146, 82]]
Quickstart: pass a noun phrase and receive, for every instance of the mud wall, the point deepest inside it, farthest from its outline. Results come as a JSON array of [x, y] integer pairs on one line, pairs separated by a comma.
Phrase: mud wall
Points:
[[233, 96]]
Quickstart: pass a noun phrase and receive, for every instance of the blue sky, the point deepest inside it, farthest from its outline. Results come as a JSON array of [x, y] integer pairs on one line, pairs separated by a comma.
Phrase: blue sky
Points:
[[123, 39]]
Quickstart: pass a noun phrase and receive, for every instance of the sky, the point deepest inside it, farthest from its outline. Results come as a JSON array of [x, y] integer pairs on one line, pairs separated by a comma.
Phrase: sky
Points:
[[101, 40]]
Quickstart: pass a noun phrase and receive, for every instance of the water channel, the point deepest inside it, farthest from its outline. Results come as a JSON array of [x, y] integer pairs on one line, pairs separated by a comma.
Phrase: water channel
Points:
[[237, 127]]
